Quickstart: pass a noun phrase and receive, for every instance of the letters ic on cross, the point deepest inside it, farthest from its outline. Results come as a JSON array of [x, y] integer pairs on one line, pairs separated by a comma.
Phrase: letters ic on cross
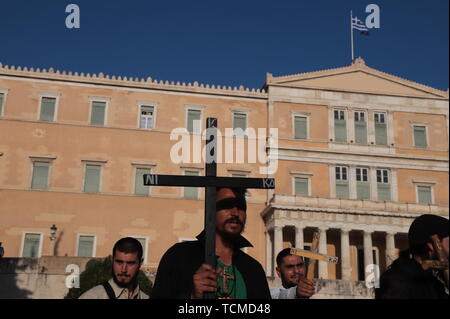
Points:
[[210, 182]]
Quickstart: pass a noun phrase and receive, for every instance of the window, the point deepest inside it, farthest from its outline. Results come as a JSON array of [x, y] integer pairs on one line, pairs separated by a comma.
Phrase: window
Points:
[[383, 184], [146, 120], [239, 123], [420, 136], [48, 105], [380, 129], [139, 187], [301, 185], [340, 126], [360, 128], [362, 184], [86, 246], [143, 241], [342, 190], [31, 245], [300, 127], [424, 195], [40, 177], [194, 121], [191, 192], [98, 112], [92, 178], [2, 100]]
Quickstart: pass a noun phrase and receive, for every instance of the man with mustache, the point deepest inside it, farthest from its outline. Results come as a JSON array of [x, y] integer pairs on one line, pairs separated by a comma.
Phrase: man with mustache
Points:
[[126, 262], [183, 274], [292, 271]]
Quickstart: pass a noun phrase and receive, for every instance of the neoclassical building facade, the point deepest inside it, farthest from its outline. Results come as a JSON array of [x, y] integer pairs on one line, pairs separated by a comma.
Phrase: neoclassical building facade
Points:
[[358, 154]]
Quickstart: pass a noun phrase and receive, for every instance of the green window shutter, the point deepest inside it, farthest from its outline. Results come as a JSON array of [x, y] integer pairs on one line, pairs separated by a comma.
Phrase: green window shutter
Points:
[[191, 192], [360, 132], [340, 131], [1, 103], [98, 113], [40, 175], [86, 246], [301, 127], [31, 245], [240, 121], [362, 190], [384, 191], [424, 194], [420, 137], [92, 179], [301, 186], [380, 134], [342, 189], [139, 188], [47, 109], [193, 121]]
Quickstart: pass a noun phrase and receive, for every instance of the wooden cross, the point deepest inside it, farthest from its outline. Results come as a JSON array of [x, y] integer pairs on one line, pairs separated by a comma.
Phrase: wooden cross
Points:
[[313, 256], [225, 277], [210, 182]]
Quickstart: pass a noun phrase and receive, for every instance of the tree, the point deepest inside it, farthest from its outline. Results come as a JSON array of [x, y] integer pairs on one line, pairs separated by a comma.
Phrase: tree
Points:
[[99, 271]]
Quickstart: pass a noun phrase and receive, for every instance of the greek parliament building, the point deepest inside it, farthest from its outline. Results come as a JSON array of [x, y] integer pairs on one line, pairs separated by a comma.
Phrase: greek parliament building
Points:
[[358, 154]]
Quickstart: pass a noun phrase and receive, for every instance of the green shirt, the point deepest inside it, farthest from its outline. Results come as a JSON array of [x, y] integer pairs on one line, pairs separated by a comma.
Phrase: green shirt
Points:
[[235, 284]]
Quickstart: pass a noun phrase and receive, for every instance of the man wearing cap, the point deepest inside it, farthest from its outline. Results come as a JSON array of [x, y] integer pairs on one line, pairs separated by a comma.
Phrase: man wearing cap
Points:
[[405, 278], [182, 273]]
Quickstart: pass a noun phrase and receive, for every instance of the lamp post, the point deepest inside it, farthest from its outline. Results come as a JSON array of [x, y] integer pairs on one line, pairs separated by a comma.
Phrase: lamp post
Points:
[[53, 230]]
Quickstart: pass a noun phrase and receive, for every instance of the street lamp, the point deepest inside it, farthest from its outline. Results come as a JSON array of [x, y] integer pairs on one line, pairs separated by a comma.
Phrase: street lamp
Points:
[[53, 230]]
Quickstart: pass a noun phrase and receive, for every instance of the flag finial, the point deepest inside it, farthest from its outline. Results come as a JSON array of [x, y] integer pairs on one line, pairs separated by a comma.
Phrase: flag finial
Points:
[[359, 61]]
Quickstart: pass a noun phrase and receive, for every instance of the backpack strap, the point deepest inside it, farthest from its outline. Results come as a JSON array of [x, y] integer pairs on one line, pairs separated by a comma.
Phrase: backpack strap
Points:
[[109, 290]]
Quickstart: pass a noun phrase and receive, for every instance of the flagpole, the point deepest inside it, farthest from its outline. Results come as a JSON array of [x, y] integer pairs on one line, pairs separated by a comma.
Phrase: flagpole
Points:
[[351, 31]]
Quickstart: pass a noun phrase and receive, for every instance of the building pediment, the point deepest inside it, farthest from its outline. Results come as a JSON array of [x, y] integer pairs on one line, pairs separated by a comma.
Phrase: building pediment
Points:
[[357, 77]]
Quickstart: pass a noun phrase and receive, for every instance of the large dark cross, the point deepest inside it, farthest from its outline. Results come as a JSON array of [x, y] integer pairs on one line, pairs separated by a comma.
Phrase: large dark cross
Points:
[[210, 181]]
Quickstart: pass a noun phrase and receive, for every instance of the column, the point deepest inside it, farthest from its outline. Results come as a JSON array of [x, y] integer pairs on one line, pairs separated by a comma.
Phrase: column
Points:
[[278, 243], [323, 266], [390, 248], [368, 254], [299, 242], [269, 256], [346, 269]]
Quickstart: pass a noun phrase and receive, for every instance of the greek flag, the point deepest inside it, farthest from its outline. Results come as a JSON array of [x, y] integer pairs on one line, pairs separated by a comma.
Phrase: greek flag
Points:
[[360, 26]]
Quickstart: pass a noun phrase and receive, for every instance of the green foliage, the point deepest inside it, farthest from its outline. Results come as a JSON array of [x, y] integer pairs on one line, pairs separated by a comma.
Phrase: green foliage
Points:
[[99, 271]]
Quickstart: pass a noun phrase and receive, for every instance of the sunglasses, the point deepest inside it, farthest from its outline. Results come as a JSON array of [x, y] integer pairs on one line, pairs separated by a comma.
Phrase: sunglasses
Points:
[[229, 203]]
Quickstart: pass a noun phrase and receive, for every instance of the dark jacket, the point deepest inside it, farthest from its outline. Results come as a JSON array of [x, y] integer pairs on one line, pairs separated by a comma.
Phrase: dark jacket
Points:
[[406, 279], [174, 278]]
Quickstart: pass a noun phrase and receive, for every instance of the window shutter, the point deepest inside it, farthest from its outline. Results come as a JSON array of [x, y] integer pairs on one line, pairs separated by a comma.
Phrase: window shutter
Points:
[[139, 187], [420, 137], [92, 179], [240, 121], [362, 190], [424, 193], [301, 129], [380, 134], [86, 246], [1, 103], [47, 109], [40, 175], [384, 191], [31, 245], [301, 186], [360, 132], [340, 131], [191, 192], [98, 113], [194, 121], [342, 190]]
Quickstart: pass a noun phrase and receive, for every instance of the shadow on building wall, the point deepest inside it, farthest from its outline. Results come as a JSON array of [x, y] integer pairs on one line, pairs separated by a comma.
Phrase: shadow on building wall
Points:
[[11, 270]]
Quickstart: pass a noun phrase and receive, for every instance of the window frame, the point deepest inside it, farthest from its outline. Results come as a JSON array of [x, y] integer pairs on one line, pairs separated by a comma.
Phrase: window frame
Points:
[[22, 245], [41, 159], [340, 111], [184, 187], [308, 178], [55, 96], [425, 184], [307, 116], [386, 116], [100, 184], [136, 167], [366, 122], [149, 104], [414, 125], [5, 96], [94, 248], [186, 121], [91, 104], [144, 249]]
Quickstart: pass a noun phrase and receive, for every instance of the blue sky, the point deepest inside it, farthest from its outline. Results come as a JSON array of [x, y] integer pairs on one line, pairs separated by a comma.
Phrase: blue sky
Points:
[[229, 42]]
